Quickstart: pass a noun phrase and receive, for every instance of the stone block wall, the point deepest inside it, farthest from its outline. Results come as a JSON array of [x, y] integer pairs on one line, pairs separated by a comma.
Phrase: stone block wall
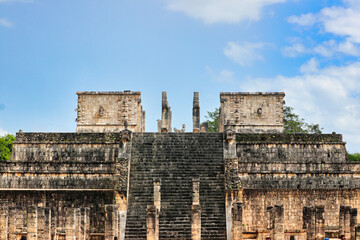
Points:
[[256, 112], [53, 214], [62, 147], [60, 186], [110, 112], [256, 218], [291, 186]]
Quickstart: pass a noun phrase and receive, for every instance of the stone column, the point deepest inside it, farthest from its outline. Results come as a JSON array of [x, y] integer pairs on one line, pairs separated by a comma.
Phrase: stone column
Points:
[[357, 232], [196, 113], [195, 222], [86, 225], [309, 222], [122, 216], [41, 223], [196, 211], [82, 224], [110, 227], [32, 223], [77, 213], [320, 229], [236, 229], [279, 223], [54, 222], [312, 224], [19, 219], [319, 223], [157, 193], [270, 218], [47, 223], [116, 223], [165, 123], [3, 221], [341, 221], [151, 219], [157, 203], [353, 223], [70, 223], [347, 217], [12, 222], [231, 176], [228, 213]]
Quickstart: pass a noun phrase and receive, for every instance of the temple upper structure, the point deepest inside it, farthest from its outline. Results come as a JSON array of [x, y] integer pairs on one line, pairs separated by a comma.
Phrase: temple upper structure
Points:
[[110, 112], [164, 125], [196, 113], [252, 112]]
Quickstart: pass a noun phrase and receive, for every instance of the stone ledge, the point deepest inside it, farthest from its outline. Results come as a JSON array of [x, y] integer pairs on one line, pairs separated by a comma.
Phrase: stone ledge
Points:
[[298, 168], [109, 93], [68, 138], [251, 93], [250, 138]]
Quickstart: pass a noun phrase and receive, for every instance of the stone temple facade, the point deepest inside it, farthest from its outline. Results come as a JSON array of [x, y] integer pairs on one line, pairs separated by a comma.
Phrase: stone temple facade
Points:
[[110, 178]]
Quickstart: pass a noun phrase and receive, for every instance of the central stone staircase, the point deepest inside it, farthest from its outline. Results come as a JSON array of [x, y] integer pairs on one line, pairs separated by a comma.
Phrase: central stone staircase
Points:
[[175, 159]]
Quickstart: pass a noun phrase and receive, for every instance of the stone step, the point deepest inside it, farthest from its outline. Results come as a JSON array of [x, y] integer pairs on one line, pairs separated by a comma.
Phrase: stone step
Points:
[[176, 159]]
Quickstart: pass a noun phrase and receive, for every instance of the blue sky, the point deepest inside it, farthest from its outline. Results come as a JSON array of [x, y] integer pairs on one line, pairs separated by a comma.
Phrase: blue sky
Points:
[[49, 50]]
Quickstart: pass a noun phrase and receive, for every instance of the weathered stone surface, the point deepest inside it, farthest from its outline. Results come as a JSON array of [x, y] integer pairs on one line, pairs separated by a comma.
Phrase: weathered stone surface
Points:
[[251, 112], [164, 125], [176, 159], [196, 113], [110, 112]]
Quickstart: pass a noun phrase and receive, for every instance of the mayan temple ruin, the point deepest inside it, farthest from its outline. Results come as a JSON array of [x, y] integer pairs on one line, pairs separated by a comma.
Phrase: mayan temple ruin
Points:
[[111, 178]]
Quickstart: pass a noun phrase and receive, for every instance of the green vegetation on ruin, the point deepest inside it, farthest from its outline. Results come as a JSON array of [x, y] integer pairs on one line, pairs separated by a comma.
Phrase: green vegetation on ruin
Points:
[[6, 143], [293, 123], [213, 120], [353, 156]]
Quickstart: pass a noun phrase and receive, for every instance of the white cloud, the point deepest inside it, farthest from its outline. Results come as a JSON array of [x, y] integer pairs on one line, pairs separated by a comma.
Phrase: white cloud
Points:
[[308, 19], [328, 96], [342, 21], [5, 23], [325, 49], [311, 66], [3, 132], [338, 21], [227, 11], [224, 76], [350, 48], [294, 50], [244, 53]]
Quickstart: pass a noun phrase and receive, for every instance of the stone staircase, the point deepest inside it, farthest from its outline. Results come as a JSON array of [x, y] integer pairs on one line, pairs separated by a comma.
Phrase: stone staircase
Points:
[[175, 159]]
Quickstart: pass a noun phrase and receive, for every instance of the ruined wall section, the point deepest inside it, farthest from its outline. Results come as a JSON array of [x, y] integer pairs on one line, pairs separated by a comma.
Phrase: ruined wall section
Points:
[[301, 161], [60, 147], [65, 186], [65, 161], [258, 112], [287, 183], [293, 201], [53, 212], [110, 112]]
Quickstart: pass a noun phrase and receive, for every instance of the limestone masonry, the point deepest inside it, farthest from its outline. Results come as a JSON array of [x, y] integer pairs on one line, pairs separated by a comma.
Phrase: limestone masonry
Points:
[[250, 180]]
